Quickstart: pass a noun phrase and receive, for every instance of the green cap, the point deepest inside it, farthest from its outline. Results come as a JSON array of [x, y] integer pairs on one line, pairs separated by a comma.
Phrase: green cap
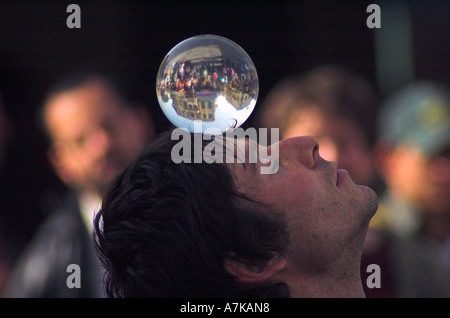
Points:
[[418, 114]]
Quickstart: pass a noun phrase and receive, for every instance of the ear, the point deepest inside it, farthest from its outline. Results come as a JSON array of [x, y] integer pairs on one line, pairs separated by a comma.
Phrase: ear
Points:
[[249, 273]]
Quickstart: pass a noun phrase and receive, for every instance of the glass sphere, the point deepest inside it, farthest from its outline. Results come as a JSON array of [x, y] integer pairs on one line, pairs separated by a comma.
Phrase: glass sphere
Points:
[[207, 84]]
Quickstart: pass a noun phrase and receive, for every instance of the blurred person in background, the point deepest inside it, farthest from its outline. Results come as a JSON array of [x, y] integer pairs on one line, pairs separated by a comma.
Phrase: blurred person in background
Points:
[[94, 133], [335, 106], [413, 156]]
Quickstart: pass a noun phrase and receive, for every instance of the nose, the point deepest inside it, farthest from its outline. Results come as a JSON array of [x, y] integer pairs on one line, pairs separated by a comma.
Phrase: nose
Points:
[[303, 150]]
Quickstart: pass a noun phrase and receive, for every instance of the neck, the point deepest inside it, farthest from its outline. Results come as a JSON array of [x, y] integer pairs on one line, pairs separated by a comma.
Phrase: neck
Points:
[[327, 286], [339, 279]]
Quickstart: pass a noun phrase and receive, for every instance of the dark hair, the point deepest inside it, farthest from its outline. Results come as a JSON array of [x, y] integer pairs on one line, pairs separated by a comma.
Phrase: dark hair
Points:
[[79, 78], [164, 230]]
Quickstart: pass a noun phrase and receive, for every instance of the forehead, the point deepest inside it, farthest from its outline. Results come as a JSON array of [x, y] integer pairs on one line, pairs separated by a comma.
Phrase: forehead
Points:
[[75, 109]]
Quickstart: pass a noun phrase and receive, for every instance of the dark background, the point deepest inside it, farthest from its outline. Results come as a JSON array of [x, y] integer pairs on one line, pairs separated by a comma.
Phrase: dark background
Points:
[[130, 39]]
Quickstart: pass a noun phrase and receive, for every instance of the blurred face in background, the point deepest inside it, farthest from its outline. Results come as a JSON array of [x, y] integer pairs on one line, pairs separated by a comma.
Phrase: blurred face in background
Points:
[[340, 139], [418, 179], [94, 135]]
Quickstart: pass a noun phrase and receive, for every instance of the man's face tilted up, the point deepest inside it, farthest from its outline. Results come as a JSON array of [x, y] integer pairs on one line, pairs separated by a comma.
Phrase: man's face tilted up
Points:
[[327, 213]]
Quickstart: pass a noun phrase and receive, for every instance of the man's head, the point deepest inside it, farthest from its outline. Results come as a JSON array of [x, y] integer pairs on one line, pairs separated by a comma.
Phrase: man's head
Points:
[[225, 230], [94, 132]]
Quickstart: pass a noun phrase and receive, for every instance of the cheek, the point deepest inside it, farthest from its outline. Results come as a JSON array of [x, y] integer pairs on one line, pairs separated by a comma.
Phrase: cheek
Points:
[[291, 196], [410, 177]]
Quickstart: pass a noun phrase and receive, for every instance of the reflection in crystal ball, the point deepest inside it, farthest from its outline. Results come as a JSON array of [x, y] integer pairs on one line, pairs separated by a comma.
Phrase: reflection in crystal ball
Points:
[[207, 82]]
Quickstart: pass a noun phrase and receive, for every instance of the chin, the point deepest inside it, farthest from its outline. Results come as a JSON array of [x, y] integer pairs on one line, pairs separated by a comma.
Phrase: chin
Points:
[[371, 200]]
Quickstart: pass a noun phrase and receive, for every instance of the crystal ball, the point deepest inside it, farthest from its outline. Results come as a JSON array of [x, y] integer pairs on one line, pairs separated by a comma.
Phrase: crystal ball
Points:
[[207, 84]]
